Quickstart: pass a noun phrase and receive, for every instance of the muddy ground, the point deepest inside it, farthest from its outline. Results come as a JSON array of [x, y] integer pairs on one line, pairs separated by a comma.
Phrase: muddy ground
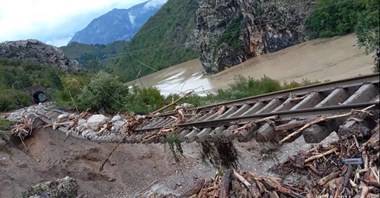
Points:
[[133, 170]]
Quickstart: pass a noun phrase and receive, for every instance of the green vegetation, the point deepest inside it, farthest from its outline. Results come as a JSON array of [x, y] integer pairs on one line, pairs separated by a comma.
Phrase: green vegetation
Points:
[[104, 91], [160, 43], [334, 17], [5, 134], [94, 57], [232, 33], [245, 87], [5, 124], [339, 17]]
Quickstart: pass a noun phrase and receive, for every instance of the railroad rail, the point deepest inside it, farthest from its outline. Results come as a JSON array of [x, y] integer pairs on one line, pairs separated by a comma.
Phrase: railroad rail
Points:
[[253, 117]]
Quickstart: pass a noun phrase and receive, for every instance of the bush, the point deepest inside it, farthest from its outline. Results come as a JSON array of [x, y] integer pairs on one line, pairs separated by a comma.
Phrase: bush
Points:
[[334, 17], [11, 99], [244, 87], [144, 100], [104, 92]]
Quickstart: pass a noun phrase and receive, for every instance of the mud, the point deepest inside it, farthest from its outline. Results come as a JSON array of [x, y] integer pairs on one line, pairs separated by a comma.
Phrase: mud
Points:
[[134, 170]]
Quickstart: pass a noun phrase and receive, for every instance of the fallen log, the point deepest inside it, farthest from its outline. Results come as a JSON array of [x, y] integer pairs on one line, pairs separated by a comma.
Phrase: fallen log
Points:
[[328, 178], [320, 155], [292, 125], [194, 189], [225, 184]]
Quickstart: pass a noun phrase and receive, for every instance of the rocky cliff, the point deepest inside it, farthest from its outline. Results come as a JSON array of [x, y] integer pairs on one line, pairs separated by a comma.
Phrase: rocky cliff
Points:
[[39, 52], [230, 31]]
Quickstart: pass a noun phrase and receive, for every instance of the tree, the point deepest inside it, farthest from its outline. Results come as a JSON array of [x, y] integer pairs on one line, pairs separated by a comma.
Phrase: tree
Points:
[[367, 29], [104, 92]]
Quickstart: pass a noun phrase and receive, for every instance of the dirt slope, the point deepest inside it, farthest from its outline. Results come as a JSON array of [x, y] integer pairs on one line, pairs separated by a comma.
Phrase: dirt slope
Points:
[[133, 170]]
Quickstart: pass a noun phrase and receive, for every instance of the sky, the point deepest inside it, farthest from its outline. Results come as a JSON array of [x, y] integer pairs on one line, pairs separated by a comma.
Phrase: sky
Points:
[[52, 21]]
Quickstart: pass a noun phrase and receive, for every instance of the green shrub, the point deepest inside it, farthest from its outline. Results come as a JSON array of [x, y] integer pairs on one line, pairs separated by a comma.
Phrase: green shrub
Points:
[[144, 100], [244, 87], [104, 92], [5, 124], [11, 99], [334, 17]]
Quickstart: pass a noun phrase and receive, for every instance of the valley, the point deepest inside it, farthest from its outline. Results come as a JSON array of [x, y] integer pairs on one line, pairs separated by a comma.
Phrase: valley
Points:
[[125, 110]]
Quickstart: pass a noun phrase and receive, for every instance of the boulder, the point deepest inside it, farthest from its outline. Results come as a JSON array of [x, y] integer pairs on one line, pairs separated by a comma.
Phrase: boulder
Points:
[[88, 133], [116, 118], [117, 126], [39, 52], [63, 117], [65, 187], [97, 120]]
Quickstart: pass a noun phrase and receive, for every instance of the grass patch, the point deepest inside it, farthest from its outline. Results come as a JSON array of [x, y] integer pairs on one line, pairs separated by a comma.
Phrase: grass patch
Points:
[[175, 146], [5, 124]]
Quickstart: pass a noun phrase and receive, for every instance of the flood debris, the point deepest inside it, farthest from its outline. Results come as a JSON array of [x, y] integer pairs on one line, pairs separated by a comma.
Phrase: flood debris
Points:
[[235, 183], [24, 127], [346, 168], [220, 153]]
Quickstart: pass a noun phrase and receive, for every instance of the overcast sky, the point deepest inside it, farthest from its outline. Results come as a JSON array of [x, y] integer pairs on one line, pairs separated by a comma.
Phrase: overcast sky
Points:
[[52, 21]]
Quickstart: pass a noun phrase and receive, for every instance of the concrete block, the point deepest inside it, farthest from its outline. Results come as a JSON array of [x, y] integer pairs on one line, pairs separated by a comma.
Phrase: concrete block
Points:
[[265, 133], [270, 106], [335, 97], [257, 106], [364, 94], [310, 101], [316, 133]]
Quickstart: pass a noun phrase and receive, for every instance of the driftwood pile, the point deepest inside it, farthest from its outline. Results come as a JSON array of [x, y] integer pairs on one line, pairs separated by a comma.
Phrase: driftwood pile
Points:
[[241, 184], [346, 168]]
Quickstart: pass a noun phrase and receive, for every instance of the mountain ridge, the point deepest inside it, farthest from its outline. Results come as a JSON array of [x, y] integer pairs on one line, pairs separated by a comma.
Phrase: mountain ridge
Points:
[[117, 24]]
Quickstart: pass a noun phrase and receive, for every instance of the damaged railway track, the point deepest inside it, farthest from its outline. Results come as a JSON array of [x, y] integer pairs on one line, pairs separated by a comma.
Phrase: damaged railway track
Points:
[[263, 117], [269, 117]]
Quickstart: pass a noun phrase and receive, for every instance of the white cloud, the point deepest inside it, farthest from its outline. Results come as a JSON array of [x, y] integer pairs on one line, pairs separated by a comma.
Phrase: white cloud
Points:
[[60, 41], [154, 3], [48, 20]]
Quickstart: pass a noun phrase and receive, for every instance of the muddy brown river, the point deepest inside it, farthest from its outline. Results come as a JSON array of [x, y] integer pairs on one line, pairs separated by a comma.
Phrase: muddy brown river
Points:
[[321, 59]]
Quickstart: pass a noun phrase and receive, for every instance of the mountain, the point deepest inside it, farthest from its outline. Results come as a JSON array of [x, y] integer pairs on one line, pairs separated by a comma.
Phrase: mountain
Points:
[[118, 24], [164, 40]]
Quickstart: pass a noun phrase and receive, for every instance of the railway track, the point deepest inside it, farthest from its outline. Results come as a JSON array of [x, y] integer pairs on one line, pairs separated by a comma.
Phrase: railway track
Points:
[[260, 117], [286, 106]]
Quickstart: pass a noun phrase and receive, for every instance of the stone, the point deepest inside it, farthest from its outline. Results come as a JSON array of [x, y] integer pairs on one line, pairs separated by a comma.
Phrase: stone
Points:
[[81, 121], [88, 133], [333, 137], [81, 128], [65, 187], [117, 125], [95, 121], [116, 118], [39, 52], [63, 117]]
